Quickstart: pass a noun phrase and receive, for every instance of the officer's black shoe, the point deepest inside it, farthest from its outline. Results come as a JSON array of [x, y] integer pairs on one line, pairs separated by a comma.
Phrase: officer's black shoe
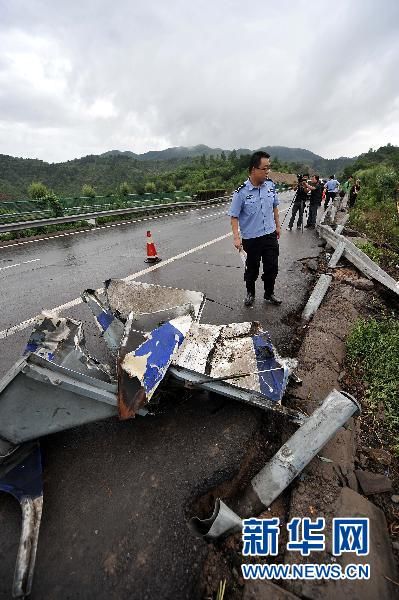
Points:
[[272, 300], [249, 300], [289, 228]]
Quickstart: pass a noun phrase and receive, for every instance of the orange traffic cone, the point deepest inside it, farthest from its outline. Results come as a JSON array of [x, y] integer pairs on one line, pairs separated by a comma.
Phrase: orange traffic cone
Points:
[[152, 256]]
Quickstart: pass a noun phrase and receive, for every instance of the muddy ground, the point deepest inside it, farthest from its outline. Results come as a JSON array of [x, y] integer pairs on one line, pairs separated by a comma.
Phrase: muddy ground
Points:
[[328, 485]]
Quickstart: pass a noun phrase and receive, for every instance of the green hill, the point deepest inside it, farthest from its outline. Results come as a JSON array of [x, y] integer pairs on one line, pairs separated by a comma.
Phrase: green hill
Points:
[[190, 169]]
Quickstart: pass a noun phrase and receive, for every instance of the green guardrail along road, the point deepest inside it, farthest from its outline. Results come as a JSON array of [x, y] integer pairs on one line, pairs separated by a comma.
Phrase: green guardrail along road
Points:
[[28, 210]]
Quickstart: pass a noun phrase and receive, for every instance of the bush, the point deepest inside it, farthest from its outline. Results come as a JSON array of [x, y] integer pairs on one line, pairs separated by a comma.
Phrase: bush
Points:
[[124, 189], [375, 212], [88, 191], [372, 252], [37, 190], [54, 204], [373, 354], [150, 187], [382, 256]]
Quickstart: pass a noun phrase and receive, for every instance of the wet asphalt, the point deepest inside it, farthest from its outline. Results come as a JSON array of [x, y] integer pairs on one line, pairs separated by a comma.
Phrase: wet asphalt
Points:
[[117, 495]]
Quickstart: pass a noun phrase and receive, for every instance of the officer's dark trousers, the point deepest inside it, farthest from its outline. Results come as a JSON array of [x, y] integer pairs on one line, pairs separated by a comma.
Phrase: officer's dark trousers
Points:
[[297, 207], [263, 248], [330, 196]]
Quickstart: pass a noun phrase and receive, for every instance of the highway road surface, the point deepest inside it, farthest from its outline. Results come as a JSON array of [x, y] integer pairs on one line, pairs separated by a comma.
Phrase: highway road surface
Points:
[[117, 495]]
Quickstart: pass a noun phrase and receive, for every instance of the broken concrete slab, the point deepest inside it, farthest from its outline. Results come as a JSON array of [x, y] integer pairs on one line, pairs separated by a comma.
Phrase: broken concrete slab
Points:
[[352, 481], [373, 483], [349, 504], [317, 296], [336, 256], [358, 258], [380, 557]]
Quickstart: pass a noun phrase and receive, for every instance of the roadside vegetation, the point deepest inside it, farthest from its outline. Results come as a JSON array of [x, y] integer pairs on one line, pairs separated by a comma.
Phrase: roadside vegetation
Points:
[[376, 212], [373, 344], [384, 257], [373, 354]]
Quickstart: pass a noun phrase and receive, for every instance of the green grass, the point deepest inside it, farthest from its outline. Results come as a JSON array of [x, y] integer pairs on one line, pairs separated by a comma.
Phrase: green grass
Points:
[[372, 252], [373, 355], [385, 258]]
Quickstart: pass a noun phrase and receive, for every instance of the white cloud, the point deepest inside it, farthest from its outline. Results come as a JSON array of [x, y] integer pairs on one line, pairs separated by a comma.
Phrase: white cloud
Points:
[[84, 77]]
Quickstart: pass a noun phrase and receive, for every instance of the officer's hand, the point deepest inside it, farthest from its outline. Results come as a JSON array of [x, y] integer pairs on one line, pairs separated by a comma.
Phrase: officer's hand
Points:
[[278, 231], [237, 242]]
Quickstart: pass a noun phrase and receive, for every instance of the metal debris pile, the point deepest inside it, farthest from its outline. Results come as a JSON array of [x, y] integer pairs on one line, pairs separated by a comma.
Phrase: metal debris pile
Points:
[[153, 333]]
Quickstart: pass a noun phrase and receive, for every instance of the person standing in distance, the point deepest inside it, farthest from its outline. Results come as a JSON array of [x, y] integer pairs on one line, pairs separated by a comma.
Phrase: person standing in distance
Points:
[[301, 196], [331, 187], [314, 202], [254, 215]]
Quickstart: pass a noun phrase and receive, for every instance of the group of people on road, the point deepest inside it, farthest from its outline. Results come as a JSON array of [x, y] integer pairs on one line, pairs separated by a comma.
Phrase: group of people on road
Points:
[[256, 225], [315, 188]]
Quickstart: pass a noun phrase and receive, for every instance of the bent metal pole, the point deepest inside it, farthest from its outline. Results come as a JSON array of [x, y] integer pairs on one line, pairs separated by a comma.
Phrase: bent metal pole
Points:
[[289, 461]]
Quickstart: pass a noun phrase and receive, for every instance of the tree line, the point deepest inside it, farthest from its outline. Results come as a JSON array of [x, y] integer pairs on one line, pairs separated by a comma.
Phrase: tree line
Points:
[[116, 174]]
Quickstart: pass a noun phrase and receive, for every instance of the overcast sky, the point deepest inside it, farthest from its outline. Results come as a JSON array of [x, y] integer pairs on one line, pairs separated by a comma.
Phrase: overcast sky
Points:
[[86, 76]]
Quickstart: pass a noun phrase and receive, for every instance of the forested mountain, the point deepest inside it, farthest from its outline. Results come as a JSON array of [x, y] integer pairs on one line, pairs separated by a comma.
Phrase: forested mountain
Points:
[[386, 155], [190, 169], [291, 155]]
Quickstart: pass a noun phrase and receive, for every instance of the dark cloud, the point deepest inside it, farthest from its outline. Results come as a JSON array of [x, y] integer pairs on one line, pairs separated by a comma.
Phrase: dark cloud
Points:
[[137, 76]]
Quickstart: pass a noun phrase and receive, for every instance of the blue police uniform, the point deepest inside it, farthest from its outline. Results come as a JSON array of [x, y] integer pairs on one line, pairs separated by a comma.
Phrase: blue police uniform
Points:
[[253, 207], [331, 186]]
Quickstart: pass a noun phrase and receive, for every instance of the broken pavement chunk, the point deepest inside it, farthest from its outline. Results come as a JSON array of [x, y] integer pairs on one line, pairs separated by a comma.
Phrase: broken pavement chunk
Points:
[[373, 483]]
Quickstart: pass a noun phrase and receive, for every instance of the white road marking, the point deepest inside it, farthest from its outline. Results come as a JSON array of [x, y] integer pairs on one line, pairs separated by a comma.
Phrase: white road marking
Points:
[[225, 213], [53, 237], [21, 326], [25, 262], [212, 215]]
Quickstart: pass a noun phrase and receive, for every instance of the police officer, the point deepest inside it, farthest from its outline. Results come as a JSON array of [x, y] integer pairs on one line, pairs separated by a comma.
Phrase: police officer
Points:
[[331, 187], [254, 213]]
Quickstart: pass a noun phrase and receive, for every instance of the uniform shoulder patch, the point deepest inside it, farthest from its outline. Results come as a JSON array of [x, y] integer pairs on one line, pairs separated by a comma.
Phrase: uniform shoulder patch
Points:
[[240, 187]]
